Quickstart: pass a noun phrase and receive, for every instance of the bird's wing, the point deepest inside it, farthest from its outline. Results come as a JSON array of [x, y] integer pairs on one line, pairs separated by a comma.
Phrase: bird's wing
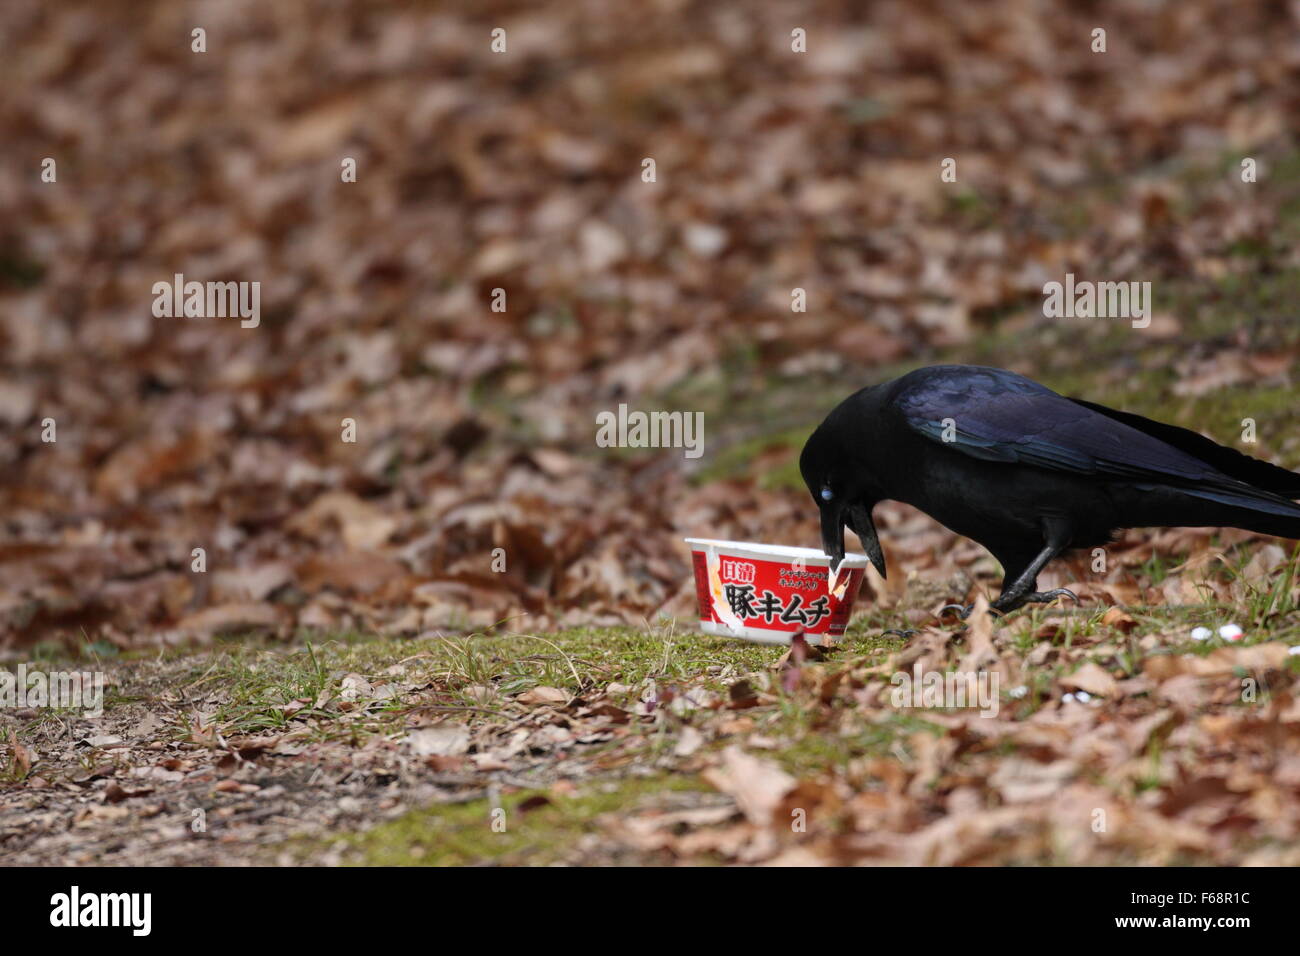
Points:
[[1000, 416], [1253, 471]]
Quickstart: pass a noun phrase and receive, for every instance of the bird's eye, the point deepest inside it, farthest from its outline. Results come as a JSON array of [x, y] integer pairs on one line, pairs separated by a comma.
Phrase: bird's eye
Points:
[[827, 494]]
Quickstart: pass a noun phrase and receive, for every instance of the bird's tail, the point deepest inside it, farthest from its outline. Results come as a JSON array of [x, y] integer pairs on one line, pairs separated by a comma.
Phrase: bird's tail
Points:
[[1253, 509], [1283, 526]]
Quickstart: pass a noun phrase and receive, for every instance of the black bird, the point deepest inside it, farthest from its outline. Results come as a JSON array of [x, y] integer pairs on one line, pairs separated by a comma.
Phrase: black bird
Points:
[[1026, 472]]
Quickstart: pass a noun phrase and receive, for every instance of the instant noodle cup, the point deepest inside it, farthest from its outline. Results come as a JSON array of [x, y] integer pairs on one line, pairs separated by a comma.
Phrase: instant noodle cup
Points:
[[768, 592]]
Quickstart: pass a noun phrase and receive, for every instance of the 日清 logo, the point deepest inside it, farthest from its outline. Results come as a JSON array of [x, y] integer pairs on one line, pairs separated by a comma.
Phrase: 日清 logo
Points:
[[741, 571]]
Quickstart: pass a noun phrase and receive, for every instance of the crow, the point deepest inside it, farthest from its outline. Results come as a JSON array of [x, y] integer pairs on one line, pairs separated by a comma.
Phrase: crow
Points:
[[1025, 472]]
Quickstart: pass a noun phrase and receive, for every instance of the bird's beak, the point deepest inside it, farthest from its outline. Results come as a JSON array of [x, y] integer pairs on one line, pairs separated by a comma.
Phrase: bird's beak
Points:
[[862, 525], [833, 532]]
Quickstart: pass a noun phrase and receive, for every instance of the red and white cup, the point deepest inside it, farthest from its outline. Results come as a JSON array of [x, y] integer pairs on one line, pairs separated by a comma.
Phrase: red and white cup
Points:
[[767, 592]]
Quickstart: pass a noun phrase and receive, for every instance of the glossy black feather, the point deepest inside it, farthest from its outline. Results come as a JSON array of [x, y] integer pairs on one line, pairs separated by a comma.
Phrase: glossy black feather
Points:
[[1262, 474]]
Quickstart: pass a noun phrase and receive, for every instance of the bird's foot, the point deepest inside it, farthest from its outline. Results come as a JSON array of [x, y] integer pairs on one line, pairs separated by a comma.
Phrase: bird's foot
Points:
[[963, 610], [1035, 597], [1047, 597], [905, 633]]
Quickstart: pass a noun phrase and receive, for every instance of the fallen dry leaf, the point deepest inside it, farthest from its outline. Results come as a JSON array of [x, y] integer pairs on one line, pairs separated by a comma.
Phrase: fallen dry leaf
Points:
[[758, 786]]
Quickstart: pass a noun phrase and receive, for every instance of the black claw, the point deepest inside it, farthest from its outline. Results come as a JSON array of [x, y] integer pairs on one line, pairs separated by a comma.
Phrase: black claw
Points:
[[904, 633], [1046, 597], [1036, 597], [963, 610]]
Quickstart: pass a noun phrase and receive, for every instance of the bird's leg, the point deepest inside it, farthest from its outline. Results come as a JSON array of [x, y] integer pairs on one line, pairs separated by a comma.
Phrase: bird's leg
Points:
[[1018, 587], [1020, 591]]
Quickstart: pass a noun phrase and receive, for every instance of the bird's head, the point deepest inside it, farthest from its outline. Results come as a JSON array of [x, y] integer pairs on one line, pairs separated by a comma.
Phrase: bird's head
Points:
[[840, 483]]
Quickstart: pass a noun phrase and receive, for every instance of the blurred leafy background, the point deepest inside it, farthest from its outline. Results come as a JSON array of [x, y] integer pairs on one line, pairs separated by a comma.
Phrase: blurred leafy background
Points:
[[522, 171]]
